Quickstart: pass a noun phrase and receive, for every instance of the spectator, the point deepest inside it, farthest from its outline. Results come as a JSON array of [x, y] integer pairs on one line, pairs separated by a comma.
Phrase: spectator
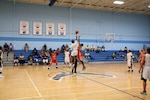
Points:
[[125, 49], [6, 47], [121, 54], [45, 59], [44, 47], [114, 55], [26, 47], [50, 51], [97, 50], [21, 59], [47, 53], [62, 48], [57, 51], [35, 52], [16, 60], [11, 47], [92, 48], [87, 55], [30, 60], [103, 48], [42, 54], [87, 48], [35, 59], [66, 47]]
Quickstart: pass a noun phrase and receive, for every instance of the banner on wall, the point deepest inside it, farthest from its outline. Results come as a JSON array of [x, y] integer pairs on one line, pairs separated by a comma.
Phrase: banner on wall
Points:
[[61, 29], [24, 27], [49, 28], [37, 28]]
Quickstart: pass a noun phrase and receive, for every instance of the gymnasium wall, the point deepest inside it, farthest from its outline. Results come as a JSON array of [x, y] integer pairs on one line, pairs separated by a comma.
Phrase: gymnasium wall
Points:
[[131, 30]]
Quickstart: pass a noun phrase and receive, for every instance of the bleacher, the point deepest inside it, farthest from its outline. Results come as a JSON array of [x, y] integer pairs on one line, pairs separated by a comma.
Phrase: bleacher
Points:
[[107, 56], [97, 57], [26, 54], [60, 57]]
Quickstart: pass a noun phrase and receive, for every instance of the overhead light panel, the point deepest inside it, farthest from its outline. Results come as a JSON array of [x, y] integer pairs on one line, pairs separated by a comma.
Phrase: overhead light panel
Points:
[[118, 2]]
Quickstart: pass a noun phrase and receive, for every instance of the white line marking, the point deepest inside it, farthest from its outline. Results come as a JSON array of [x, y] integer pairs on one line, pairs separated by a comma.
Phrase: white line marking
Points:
[[25, 98], [33, 84], [62, 94]]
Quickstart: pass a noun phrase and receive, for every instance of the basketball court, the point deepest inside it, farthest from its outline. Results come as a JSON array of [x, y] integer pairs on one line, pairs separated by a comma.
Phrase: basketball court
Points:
[[100, 81]]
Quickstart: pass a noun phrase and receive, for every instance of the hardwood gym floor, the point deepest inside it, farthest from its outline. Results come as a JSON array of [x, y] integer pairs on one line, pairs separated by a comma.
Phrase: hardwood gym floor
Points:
[[100, 81]]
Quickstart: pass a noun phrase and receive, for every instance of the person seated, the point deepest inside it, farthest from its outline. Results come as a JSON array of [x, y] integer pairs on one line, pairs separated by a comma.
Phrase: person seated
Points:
[[87, 55], [114, 55], [87, 48], [125, 49], [21, 59], [121, 54], [30, 60], [44, 57], [47, 53], [42, 54], [11, 47], [35, 52], [6, 47], [92, 48], [35, 59], [45, 60], [103, 48], [26, 47], [97, 50], [16, 60]]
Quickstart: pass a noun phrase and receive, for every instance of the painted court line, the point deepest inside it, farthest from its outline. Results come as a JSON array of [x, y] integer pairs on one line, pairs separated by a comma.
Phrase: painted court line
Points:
[[33, 84], [63, 94], [25, 98], [122, 91]]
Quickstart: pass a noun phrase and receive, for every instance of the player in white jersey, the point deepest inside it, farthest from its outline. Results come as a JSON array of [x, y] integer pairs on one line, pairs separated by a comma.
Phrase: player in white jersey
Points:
[[129, 61], [145, 70], [67, 57]]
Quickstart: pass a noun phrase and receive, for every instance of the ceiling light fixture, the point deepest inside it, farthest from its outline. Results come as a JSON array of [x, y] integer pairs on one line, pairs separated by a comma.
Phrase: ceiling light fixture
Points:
[[118, 2], [149, 6]]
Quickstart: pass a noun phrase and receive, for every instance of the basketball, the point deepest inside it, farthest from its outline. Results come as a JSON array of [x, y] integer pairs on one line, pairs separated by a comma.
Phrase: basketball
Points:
[[77, 31]]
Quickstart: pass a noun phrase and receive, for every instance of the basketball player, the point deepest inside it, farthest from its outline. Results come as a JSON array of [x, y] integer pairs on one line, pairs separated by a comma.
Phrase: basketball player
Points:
[[67, 57], [54, 59], [142, 53], [146, 70], [129, 61], [80, 56], [74, 53]]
